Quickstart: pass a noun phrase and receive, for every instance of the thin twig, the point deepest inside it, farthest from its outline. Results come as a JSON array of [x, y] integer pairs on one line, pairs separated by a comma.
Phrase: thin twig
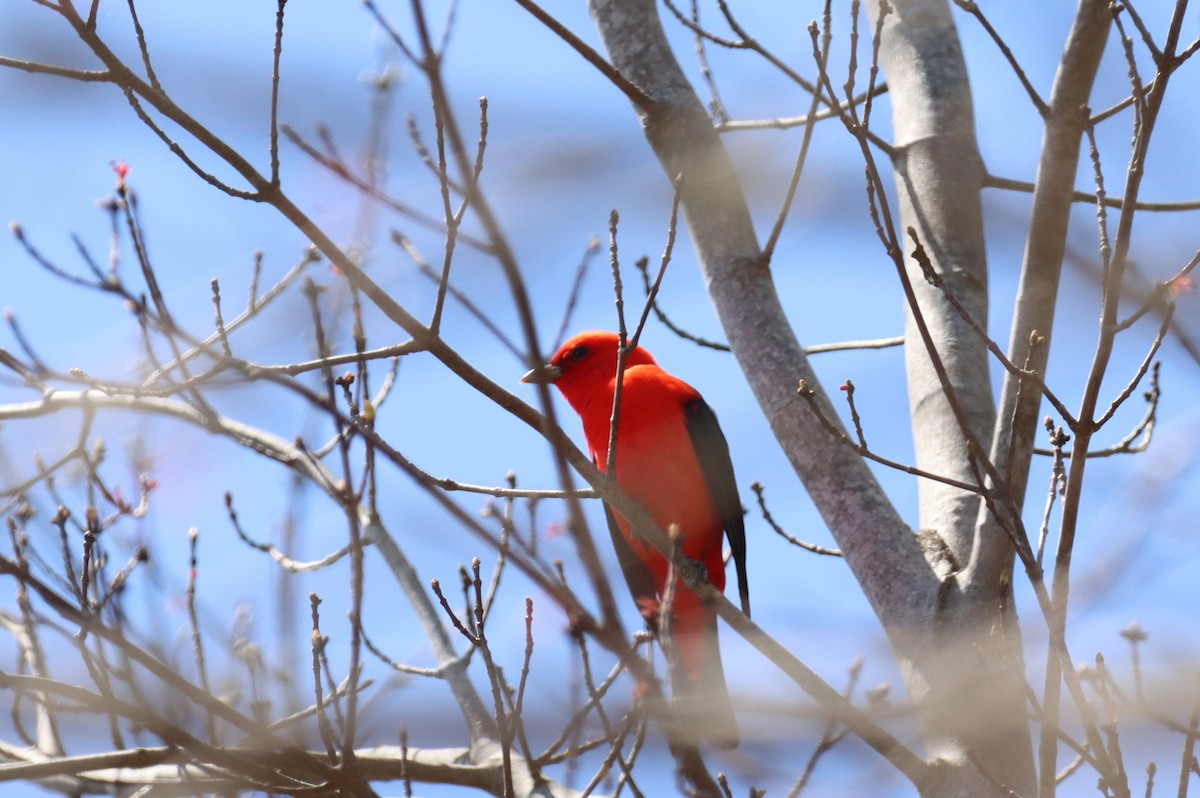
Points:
[[627, 87], [652, 291], [830, 737], [766, 514], [276, 57], [972, 8], [1188, 759], [589, 253], [716, 104], [789, 196], [937, 281], [807, 393]]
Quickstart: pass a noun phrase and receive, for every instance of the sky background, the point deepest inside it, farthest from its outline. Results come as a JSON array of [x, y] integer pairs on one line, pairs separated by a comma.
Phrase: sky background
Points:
[[564, 149]]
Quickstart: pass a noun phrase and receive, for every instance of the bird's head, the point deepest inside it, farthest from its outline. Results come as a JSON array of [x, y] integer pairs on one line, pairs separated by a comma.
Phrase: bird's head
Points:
[[585, 363]]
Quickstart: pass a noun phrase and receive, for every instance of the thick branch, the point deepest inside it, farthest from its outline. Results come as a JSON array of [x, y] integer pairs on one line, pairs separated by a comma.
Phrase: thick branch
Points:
[[1018, 422], [141, 767], [938, 175]]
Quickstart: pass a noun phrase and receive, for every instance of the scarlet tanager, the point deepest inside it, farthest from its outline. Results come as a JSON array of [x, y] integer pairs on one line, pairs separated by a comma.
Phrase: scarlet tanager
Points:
[[674, 460]]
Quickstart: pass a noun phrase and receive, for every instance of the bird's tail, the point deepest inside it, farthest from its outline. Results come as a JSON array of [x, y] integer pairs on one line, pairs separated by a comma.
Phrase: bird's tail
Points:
[[702, 710]]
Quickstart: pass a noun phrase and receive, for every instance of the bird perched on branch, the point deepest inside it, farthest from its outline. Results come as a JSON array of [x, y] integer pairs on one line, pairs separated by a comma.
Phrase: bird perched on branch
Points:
[[672, 458]]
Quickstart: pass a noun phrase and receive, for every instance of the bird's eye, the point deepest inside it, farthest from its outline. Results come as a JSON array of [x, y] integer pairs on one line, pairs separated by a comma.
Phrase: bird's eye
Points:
[[580, 352]]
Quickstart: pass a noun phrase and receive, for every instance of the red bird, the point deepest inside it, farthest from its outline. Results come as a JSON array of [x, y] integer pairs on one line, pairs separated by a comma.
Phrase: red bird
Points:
[[673, 458]]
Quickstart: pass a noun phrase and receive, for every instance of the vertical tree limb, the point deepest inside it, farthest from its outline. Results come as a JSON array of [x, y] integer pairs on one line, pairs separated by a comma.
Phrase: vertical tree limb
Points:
[[1018, 420], [970, 689]]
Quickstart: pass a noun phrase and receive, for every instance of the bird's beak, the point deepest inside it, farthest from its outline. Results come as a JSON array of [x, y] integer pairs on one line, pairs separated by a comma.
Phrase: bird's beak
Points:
[[547, 372]]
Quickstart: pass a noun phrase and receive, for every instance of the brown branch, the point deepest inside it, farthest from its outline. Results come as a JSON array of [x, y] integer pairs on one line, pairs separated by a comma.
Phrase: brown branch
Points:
[[829, 738], [766, 514], [627, 87], [806, 393], [789, 122], [668, 249], [992, 181], [936, 280], [972, 8], [82, 75]]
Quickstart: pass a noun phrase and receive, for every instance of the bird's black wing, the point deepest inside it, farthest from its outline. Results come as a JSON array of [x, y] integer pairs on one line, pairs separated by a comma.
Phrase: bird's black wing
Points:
[[713, 453]]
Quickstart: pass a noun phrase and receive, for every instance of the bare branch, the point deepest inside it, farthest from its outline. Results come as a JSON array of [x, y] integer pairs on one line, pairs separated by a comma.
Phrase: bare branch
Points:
[[629, 89], [766, 514], [82, 75], [972, 8]]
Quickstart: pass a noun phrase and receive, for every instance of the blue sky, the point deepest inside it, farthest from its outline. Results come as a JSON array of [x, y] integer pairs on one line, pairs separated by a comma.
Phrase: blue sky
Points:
[[564, 149]]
